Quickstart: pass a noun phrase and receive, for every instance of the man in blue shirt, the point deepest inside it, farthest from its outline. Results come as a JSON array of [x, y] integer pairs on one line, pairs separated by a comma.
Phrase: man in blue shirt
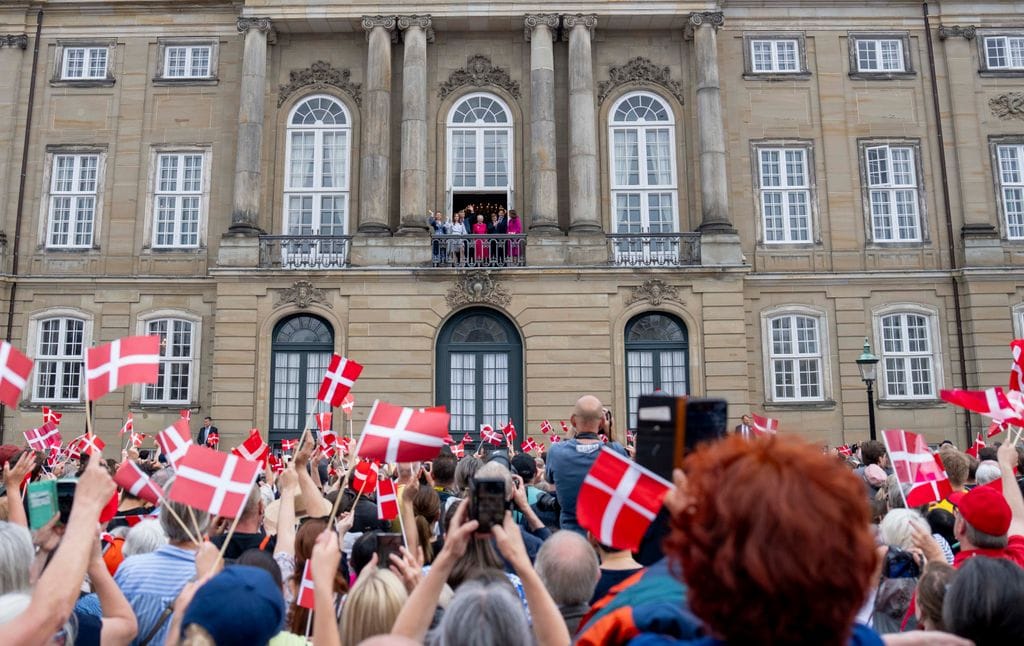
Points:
[[569, 461]]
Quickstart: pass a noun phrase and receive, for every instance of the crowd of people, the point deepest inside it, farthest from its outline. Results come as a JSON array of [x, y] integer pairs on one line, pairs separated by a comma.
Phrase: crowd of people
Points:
[[479, 251], [761, 540]]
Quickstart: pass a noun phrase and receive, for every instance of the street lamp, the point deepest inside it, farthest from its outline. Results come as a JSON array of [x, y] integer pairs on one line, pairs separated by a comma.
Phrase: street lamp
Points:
[[867, 363]]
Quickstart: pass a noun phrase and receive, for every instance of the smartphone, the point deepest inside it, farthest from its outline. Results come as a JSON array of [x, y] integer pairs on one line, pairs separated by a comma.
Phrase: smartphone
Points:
[[40, 502], [65, 498], [388, 543], [487, 503], [668, 428]]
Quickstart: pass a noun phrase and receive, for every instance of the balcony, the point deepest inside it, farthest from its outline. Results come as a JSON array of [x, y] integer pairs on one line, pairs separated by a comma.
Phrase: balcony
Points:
[[478, 251], [654, 249], [304, 252]]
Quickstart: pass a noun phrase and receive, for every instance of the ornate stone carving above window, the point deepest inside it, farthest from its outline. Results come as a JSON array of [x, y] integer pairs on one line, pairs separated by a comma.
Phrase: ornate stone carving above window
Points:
[[14, 40], [638, 72], [655, 292], [317, 76], [1008, 106], [302, 294], [477, 287], [479, 72]]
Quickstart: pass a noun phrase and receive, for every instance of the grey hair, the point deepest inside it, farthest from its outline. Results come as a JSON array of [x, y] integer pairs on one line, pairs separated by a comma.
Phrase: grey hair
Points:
[[175, 532], [498, 470], [252, 503], [465, 471], [988, 471], [980, 539], [144, 538], [14, 604], [493, 610], [897, 528], [16, 556], [568, 567]]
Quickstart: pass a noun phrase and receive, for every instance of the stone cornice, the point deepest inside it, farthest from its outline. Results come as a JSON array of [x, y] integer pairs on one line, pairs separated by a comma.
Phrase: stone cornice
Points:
[[587, 20], [14, 40], [424, 22], [533, 20], [715, 19], [389, 23], [967, 32]]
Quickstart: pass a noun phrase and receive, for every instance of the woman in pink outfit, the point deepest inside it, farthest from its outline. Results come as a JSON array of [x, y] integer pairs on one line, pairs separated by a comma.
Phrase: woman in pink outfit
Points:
[[515, 225], [480, 228]]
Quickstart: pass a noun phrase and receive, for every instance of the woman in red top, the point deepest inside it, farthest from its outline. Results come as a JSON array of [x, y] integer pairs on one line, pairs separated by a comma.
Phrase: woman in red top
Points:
[[480, 228]]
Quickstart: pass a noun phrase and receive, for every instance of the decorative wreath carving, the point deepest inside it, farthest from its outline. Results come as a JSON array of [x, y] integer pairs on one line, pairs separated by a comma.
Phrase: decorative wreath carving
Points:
[[319, 75], [477, 287], [639, 71], [1008, 106], [655, 292], [302, 294], [478, 72]]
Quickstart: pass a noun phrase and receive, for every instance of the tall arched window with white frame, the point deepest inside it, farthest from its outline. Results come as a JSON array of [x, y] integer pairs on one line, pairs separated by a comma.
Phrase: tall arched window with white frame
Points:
[[480, 171]]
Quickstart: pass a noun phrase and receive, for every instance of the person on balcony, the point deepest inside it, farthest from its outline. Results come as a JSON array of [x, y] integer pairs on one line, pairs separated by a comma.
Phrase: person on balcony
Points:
[[515, 226], [439, 227], [480, 228], [457, 248]]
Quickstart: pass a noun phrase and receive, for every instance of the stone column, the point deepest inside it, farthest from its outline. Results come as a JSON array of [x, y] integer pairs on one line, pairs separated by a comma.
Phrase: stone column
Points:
[[416, 33], [374, 161], [540, 31], [584, 215], [245, 206], [714, 188]]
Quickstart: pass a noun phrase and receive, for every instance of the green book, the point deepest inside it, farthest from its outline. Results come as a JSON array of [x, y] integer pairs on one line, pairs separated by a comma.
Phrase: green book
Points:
[[41, 502]]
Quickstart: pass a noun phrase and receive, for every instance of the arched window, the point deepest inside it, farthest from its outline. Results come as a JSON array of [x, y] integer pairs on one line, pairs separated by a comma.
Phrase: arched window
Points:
[[657, 358], [302, 348], [480, 153], [317, 181], [480, 371], [643, 174]]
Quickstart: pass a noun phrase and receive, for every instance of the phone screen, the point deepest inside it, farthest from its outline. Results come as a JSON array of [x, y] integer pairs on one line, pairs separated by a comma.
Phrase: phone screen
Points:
[[488, 503], [387, 544], [706, 420], [660, 433]]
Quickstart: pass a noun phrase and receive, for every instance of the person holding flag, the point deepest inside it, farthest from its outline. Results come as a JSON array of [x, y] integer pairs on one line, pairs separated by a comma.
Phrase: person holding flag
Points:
[[207, 433]]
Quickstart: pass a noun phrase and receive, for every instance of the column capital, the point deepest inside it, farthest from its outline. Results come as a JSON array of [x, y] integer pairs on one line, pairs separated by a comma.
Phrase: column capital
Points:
[[967, 32], [388, 23], [423, 22], [713, 19], [586, 20], [533, 20], [14, 40], [245, 23]]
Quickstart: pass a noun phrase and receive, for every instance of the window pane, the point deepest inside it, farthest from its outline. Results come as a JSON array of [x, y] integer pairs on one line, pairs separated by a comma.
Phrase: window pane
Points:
[[627, 157]]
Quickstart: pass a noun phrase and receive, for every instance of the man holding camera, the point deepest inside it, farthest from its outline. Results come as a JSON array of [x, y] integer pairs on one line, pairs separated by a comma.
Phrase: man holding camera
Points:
[[569, 461]]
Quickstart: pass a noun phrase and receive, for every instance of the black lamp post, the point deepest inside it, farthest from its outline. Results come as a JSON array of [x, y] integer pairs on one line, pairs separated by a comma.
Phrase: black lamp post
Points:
[[867, 363]]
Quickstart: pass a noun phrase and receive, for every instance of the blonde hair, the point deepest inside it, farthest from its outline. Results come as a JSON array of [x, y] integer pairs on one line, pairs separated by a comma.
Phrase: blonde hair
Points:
[[372, 605]]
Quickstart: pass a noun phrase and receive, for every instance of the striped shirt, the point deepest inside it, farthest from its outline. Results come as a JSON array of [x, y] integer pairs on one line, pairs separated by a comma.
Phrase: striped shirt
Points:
[[151, 582]]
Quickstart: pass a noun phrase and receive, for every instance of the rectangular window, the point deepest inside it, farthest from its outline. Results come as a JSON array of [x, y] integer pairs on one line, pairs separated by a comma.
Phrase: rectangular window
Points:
[[795, 358], [187, 61], [907, 358], [84, 63], [1011, 184], [177, 359], [880, 55], [774, 56], [177, 200], [1004, 52], [893, 194], [58, 366], [785, 194], [74, 183]]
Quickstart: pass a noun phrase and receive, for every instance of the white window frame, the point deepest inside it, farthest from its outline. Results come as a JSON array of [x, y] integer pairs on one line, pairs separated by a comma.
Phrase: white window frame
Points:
[[155, 194], [192, 361], [1017, 314], [931, 318], [89, 53], [480, 129], [190, 53], [1011, 186], [643, 188], [788, 191], [774, 55], [891, 189], [791, 312], [32, 343], [52, 195], [875, 44], [1009, 65]]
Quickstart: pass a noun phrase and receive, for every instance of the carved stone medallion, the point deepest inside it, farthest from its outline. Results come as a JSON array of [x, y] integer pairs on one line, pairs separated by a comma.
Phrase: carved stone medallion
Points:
[[655, 292], [478, 72], [1008, 106], [477, 287], [639, 71], [302, 294], [14, 40], [319, 75]]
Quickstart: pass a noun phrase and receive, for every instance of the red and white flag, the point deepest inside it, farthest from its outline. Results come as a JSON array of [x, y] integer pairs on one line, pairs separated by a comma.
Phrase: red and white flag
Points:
[[42, 438], [348, 404], [603, 438], [135, 481], [341, 374], [328, 438], [305, 596], [136, 439], [565, 427], [253, 448], [174, 441], [459, 450], [845, 450], [131, 360], [74, 447], [529, 445], [275, 463], [323, 421], [915, 466], [92, 445], [1017, 367], [619, 499], [387, 501], [185, 414], [50, 415], [15, 368], [53, 457], [545, 427], [289, 445], [555, 439], [213, 481], [396, 434], [994, 403], [764, 425], [364, 477], [489, 435], [978, 445], [995, 428], [466, 439], [213, 440], [129, 424], [510, 433]]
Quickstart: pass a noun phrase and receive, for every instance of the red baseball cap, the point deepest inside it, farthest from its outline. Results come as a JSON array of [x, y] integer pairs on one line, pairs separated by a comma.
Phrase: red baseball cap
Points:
[[985, 509]]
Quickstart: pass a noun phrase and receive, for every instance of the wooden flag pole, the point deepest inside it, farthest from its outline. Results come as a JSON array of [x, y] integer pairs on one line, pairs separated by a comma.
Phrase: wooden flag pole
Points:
[[227, 539], [165, 504], [309, 622]]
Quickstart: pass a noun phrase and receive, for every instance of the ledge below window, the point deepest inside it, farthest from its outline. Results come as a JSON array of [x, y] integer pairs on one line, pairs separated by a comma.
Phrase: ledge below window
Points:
[[827, 404], [83, 83], [60, 407], [171, 82], [777, 76], [909, 404], [882, 76], [1001, 74]]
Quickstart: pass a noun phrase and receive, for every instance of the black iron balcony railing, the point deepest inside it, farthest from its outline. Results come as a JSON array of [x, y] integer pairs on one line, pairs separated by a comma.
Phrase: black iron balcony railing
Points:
[[654, 249], [507, 250], [304, 252]]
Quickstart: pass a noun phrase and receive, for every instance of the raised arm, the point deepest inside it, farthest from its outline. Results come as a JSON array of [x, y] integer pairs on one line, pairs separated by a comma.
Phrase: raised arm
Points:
[[288, 485], [326, 556], [1011, 491], [316, 505], [119, 624], [13, 477]]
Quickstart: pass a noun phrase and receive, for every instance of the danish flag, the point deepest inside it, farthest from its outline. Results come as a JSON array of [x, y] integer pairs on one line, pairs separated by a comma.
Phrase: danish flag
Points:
[[135, 481], [565, 427], [289, 445], [487, 434], [510, 433], [1017, 368], [466, 439], [1000, 406], [529, 445], [764, 425], [978, 445], [213, 481], [328, 438], [275, 463], [185, 414], [129, 424], [845, 450], [50, 415], [341, 374], [136, 439], [459, 450], [92, 445], [74, 447], [555, 439], [387, 501], [364, 477], [14, 371], [44, 437], [253, 448], [174, 441], [545, 427], [212, 440], [348, 403], [619, 499], [305, 596], [323, 421], [915, 466], [396, 434], [131, 360]]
